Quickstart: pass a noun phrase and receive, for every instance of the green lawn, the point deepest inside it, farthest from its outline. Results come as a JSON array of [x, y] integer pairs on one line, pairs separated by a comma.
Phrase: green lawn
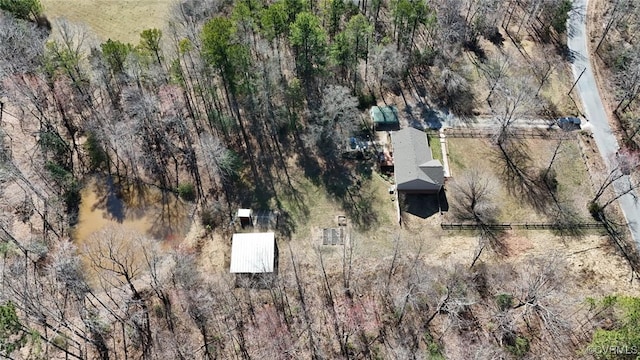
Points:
[[574, 187], [434, 144]]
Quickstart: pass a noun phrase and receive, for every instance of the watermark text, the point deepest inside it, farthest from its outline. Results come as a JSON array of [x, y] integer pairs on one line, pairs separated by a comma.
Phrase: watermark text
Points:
[[615, 350]]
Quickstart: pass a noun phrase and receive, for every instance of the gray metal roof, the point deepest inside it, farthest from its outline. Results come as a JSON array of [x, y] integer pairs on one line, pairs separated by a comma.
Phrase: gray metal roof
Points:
[[253, 253], [414, 166]]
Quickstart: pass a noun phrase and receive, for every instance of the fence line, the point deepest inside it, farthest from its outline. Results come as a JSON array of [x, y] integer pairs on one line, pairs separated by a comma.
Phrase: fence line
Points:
[[526, 226], [531, 134]]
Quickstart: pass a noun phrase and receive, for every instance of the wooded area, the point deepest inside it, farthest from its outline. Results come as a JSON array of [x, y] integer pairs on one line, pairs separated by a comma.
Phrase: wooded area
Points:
[[224, 108]]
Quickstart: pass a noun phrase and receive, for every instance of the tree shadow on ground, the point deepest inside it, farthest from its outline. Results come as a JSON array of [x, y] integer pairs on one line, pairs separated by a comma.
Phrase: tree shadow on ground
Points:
[[286, 225], [494, 36], [621, 239], [346, 182], [567, 221], [311, 167], [432, 118], [579, 12], [521, 178], [108, 198], [421, 116], [473, 45], [349, 186]]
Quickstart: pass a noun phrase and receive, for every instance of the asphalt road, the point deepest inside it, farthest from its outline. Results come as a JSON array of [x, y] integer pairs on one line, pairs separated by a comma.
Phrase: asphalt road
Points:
[[594, 110]]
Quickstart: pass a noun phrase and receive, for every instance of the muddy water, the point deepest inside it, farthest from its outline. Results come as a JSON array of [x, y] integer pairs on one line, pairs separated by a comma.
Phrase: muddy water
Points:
[[148, 212]]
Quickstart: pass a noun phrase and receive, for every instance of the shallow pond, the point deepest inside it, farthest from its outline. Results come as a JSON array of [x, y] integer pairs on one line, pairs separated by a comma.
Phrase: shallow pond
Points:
[[148, 211]]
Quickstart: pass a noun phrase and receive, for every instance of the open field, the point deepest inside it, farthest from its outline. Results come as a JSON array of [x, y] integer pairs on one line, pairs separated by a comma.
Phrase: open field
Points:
[[573, 181], [111, 19], [313, 208]]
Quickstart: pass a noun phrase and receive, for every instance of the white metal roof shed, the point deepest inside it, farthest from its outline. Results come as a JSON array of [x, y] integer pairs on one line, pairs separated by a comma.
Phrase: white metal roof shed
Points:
[[244, 213], [253, 253]]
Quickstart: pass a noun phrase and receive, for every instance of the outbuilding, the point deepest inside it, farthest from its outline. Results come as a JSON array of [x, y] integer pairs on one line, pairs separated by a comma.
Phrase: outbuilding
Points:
[[384, 117], [253, 253], [245, 216]]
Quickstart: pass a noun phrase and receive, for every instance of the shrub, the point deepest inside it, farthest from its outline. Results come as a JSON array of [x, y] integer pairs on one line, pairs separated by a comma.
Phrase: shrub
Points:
[[519, 346], [60, 341], [433, 347], [621, 339], [12, 335], [504, 301], [187, 191], [366, 100], [97, 156], [230, 163], [595, 209], [560, 16], [70, 188], [22, 9]]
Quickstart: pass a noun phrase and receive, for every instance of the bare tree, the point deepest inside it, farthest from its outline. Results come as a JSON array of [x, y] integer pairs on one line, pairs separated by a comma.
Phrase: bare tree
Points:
[[539, 299], [616, 14], [115, 257], [514, 100], [454, 91], [474, 200], [388, 68], [474, 195], [198, 300], [336, 119], [216, 158], [617, 179], [628, 80], [495, 69], [22, 46]]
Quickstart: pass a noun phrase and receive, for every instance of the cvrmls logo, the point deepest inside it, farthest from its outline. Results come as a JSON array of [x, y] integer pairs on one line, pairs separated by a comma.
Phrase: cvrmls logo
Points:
[[617, 350]]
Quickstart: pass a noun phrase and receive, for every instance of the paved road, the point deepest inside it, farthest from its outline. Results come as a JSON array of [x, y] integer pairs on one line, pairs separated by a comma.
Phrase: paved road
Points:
[[594, 110]]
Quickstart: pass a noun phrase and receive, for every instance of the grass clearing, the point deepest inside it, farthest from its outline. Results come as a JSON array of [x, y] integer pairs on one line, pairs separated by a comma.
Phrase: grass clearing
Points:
[[111, 19], [556, 89], [574, 186], [312, 208]]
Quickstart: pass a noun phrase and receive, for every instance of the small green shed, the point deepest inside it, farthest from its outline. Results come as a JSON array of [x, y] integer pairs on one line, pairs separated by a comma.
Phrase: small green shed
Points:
[[384, 116]]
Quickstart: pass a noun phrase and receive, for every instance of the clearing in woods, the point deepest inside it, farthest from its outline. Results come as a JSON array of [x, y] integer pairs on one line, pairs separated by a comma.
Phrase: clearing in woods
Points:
[[573, 185], [125, 19], [121, 20]]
